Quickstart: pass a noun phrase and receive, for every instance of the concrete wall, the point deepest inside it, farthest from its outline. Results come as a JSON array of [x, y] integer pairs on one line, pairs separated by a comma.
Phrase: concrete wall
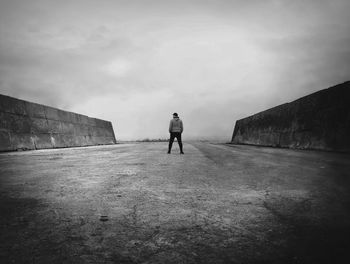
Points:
[[318, 121], [26, 125]]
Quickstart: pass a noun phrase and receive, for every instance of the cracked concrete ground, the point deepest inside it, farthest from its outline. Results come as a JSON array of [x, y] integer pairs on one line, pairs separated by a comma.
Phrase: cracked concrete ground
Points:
[[132, 203]]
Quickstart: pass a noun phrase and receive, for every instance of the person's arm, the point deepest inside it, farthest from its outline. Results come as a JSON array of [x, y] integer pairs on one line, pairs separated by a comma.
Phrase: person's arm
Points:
[[182, 126], [170, 126]]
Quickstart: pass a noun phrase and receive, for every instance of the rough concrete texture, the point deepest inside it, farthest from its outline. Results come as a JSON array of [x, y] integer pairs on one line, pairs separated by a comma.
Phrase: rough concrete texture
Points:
[[26, 125], [132, 203], [318, 121]]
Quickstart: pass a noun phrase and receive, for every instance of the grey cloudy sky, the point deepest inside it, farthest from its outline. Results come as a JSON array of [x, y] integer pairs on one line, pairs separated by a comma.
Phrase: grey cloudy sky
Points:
[[136, 62]]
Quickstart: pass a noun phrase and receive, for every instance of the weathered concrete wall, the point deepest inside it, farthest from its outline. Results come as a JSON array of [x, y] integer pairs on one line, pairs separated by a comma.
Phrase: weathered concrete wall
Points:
[[26, 125], [318, 121]]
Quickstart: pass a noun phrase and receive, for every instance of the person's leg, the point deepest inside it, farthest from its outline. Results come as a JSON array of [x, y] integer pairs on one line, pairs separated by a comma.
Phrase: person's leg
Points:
[[180, 142], [172, 137]]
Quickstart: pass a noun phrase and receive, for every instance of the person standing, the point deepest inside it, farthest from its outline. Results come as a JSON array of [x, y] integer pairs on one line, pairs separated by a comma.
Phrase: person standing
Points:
[[176, 128]]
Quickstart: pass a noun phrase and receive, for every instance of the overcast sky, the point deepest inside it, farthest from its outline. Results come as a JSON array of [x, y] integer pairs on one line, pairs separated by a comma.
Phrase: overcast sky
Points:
[[136, 62]]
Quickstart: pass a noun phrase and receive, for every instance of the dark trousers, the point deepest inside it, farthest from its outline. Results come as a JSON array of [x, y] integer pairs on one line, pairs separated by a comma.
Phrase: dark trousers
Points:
[[174, 135]]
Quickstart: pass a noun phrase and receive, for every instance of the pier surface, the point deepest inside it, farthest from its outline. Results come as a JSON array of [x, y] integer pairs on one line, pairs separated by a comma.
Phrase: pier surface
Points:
[[133, 203]]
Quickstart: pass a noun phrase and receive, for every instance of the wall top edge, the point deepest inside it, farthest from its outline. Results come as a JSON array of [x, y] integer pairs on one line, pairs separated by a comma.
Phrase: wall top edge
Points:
[[325, 90], [46, 106]]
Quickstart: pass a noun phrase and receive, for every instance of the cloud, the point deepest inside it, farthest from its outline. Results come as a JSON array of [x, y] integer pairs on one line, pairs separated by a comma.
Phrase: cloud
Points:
[[117, 67], [136, 62]]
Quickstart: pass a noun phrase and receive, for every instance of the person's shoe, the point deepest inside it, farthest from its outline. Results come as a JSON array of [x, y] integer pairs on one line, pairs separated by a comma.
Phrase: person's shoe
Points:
[[182, 152], [168, 152]]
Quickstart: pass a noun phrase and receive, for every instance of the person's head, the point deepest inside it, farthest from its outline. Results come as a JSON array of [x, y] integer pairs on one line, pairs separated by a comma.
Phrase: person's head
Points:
[[175, 115]]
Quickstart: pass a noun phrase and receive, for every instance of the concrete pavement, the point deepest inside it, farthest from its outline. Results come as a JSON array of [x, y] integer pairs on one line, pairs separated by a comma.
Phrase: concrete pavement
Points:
[[133, 203]]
